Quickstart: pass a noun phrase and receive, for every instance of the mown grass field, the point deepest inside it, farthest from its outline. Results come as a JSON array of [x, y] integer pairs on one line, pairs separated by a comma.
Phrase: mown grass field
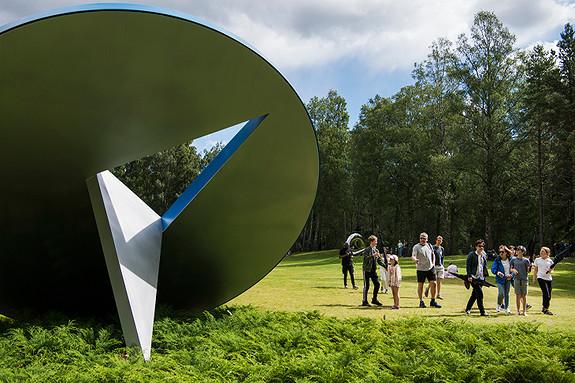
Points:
[[313, 281], [302, 326]]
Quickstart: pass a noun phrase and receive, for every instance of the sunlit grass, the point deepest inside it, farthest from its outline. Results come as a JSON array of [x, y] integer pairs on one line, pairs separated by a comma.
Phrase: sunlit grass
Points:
[[304, 327], [313, 281]]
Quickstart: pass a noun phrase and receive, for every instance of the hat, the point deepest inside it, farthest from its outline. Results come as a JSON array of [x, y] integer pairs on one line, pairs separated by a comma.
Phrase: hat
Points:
[[393, 256], [522, 248]]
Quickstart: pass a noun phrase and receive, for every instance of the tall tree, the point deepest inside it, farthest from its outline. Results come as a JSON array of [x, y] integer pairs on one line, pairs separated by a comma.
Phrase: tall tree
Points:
[[390, 165], [541, 97], [566, 47], [440, 109], [329, 221], [488, 71]]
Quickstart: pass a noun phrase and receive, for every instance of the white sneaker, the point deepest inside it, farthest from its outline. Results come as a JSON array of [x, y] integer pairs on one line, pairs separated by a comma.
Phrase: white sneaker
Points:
[[498, 309], [508, 311]]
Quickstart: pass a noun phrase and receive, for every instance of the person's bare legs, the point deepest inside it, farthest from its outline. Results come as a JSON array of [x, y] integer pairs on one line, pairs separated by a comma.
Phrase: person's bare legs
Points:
[[395, 292], [420, 290], [432, 289], [438, 282], [518, 301], [524, 302]]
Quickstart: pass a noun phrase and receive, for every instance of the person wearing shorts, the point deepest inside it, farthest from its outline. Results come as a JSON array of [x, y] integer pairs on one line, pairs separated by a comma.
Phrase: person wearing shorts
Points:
[[439, 267], [424, 259], [520, 268]]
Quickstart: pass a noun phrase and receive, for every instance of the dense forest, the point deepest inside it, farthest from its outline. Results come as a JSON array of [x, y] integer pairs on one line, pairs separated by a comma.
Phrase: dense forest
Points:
[[480, 146]]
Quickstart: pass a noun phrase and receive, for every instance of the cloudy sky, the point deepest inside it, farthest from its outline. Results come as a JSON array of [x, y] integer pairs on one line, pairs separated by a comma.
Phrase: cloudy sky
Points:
[[358, 47]]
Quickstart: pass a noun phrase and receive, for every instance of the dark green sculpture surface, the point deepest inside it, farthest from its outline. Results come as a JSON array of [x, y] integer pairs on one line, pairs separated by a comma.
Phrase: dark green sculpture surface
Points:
[[88, 88]]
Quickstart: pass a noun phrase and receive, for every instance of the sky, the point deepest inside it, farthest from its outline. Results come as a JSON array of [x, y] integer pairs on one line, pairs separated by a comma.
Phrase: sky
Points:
[[360, 48]]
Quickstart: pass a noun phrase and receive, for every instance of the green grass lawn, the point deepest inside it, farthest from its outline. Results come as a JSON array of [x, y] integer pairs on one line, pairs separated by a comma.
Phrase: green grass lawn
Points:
[[313, 281], [298, 324]]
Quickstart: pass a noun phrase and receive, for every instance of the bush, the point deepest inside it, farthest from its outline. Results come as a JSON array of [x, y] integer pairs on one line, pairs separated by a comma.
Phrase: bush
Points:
[[258, 346]]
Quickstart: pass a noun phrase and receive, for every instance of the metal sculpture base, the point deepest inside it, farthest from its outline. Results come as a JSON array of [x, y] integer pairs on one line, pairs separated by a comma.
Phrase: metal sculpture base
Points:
[[131, 236]]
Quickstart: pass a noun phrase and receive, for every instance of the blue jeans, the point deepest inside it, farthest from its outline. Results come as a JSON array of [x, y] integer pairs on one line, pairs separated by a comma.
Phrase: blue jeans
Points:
[[503, 289]]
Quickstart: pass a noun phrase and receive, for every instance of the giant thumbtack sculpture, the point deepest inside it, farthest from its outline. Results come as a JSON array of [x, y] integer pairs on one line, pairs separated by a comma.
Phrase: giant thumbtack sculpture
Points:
[[84, 89]]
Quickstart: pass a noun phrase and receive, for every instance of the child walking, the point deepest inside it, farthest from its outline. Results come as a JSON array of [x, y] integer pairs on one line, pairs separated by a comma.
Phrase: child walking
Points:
[[541, 269], [394, 279], [520, 268]]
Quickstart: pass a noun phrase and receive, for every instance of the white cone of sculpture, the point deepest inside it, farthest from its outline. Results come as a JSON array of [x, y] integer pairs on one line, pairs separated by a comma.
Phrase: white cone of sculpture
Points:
[[131, 236]]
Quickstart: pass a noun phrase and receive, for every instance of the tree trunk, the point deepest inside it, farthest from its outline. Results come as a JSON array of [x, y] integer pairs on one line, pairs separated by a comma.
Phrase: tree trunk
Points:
[[396, 232], [372, 220], [312, 232], [345, 223], [446, 219], [540, 184], [410, 224]]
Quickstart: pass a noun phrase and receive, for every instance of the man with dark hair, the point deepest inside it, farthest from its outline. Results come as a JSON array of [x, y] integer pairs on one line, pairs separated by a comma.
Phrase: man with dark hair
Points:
[[476, 268], [346, 255], [371, 256]]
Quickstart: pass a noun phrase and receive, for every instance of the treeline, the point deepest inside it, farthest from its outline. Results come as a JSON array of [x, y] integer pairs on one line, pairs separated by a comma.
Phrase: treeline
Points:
[[481, 146]]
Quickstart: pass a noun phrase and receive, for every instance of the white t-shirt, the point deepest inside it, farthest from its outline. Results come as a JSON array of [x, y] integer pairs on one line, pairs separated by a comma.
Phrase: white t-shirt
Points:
[[543, 266], [506, 264], [451, 269], [479, 272]]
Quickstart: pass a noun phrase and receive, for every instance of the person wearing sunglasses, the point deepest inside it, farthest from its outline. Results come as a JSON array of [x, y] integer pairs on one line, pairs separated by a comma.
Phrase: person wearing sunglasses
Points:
[[476, 268], [424, 259]]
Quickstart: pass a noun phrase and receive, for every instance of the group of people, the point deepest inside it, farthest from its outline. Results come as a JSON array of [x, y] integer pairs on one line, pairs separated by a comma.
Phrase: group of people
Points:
[[390, 272], [511, 267]]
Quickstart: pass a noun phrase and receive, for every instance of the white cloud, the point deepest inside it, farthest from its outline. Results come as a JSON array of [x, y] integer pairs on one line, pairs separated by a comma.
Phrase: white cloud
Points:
[[380, 34], [531, 20], [358, 47]]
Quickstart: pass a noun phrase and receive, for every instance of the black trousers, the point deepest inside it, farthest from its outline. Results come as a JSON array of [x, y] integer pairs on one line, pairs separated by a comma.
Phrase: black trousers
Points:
[[347, 269], [477, 294], [546, 287], [367, 275]]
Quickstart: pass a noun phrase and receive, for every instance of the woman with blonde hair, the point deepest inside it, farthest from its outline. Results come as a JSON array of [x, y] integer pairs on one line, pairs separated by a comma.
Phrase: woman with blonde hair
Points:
[[504, 277], [542, 269]]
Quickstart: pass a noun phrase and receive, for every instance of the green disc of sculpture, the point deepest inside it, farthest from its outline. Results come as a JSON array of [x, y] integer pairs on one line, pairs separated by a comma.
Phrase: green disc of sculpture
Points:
[[87, 88]]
